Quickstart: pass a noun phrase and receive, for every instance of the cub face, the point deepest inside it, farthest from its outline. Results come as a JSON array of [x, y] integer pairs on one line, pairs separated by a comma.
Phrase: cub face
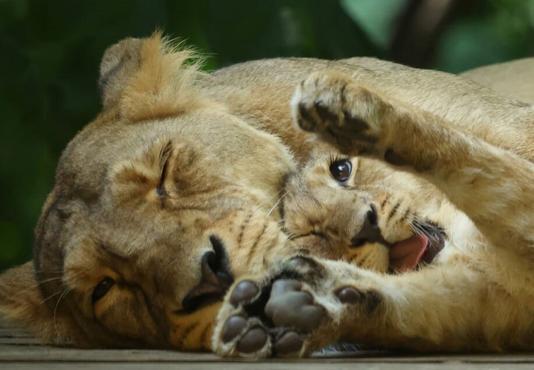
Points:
[[363, 211]]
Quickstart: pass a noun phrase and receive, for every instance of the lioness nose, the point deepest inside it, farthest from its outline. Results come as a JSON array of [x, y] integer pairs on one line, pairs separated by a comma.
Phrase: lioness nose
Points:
[[215, 278], [369, 232], [215, 265]]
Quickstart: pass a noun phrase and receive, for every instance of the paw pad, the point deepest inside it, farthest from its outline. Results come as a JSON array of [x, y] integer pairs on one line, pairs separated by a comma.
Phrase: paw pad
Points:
[[350, 295], [244, 292], [233, 327], [290, 307], [252, 341], [289, 342], [303, 267]]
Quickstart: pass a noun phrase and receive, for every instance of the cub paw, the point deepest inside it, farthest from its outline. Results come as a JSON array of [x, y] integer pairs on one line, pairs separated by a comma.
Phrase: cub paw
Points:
[[335, 107], [290, 312]]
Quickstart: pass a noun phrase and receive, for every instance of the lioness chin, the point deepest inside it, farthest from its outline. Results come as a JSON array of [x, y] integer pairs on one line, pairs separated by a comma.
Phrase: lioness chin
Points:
[[187, 182]]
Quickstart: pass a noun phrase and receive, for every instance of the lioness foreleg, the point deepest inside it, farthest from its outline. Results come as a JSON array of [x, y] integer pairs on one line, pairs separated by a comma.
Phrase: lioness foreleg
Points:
[[304, 304]]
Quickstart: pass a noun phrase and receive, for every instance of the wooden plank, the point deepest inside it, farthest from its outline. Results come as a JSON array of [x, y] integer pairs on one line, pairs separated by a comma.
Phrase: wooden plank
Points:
[[20, 341], [24, 353], [19, 350], [263, 366], [14, 333], [14, 353]]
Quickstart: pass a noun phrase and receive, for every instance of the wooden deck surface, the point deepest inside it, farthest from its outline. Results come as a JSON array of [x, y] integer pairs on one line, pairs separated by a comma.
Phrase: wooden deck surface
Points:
[[18, 350]]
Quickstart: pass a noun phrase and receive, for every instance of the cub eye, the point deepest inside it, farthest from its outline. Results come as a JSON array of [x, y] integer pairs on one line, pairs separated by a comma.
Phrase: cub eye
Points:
[[102, 288], [341, 169]]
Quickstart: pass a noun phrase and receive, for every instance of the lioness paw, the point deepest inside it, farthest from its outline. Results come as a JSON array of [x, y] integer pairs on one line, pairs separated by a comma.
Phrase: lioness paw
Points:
[[292, 311], [336, 108], [271, 315]]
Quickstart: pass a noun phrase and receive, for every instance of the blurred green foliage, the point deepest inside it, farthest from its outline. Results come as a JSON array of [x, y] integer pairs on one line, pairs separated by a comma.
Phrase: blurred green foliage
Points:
[[51, 52]]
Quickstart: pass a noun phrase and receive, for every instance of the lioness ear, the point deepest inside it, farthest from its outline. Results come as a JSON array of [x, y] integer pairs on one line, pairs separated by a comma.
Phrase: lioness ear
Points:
[[120, 61], [22, 304], [149, 78]]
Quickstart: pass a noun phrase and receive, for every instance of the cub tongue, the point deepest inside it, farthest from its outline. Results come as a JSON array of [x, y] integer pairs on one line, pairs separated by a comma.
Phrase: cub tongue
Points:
[[405, 255]]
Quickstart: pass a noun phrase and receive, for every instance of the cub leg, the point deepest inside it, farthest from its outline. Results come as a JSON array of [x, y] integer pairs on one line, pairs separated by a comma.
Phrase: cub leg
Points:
[[494, 187], [309, 303]]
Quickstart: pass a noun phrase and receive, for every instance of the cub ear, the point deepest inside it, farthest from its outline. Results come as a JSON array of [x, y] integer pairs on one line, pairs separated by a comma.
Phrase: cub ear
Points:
[[22, 304], [149, 78]]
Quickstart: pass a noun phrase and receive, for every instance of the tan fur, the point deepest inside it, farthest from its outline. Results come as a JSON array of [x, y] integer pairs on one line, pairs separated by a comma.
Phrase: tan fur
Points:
[[477, 295], [177, 156], [507, 78]]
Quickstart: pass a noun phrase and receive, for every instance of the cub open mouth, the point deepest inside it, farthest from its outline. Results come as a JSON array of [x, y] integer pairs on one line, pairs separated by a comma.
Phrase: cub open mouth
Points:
[[419, 249]]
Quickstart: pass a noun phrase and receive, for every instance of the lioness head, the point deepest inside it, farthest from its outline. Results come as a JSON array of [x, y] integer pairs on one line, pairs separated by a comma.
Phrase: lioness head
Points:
[[158, 204]]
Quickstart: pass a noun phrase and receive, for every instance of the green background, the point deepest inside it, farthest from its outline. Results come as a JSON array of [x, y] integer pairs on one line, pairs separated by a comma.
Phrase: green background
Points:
[[50, 52]]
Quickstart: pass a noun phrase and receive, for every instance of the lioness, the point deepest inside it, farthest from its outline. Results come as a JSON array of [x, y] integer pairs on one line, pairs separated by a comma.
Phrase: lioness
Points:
[[186, 182]]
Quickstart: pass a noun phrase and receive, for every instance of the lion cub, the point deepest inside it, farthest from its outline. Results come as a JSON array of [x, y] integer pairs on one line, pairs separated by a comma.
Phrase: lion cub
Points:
[[446, 187]]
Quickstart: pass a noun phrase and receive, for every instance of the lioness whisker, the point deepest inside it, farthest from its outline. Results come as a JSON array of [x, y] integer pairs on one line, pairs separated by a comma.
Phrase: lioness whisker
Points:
[[276, 203], [61, 297]]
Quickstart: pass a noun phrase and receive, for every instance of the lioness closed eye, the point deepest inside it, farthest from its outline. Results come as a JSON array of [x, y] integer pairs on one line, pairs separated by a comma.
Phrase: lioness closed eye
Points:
[[198, 212]]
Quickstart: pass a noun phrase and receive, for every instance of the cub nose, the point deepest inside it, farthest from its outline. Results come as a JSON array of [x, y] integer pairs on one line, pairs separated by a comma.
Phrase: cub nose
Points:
[[369, 232], [372, 217]]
